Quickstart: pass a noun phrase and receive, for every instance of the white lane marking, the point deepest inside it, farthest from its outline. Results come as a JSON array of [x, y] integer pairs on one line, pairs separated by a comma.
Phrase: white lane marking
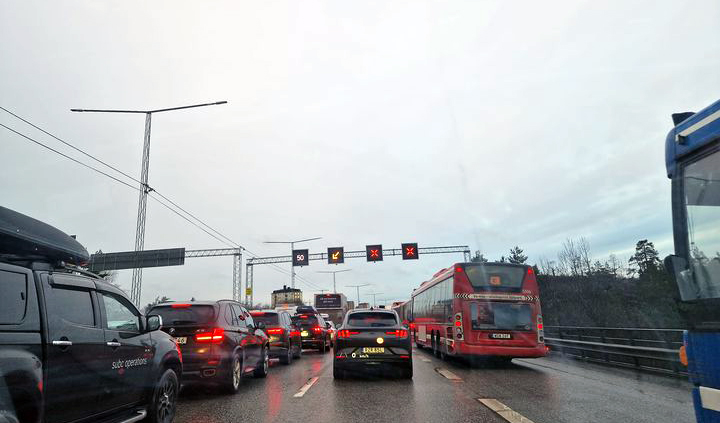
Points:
[[305, 387], [427, 360], [504, 411], [449, 375]]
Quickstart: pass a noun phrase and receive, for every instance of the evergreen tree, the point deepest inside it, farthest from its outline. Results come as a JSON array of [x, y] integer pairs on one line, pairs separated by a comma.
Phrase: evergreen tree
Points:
[[645, 261], [517, 256]]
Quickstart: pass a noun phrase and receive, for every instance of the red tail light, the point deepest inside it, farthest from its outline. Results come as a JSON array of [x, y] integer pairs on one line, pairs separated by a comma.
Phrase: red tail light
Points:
[[317, 329], [400, 333], [294, 333], [345, 334], [275, 331], [412, 325], [216, 336], [180, 305]]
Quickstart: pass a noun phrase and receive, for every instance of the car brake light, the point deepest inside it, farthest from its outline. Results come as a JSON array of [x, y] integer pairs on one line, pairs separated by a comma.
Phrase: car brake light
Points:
[[317, 329], [216, 336], [275, 331], [400, 333], [344, 333], [294, 333], [180, 305]]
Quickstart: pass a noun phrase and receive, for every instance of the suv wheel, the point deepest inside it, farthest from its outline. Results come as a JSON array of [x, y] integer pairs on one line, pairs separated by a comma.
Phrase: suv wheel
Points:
[[262, 369], [323, 347], [164, 401], [298, 351], [234, 376], [287, 357]]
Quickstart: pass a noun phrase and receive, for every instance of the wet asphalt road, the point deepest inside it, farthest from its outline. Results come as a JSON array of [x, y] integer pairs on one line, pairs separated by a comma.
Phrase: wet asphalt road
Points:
[[543, 390]]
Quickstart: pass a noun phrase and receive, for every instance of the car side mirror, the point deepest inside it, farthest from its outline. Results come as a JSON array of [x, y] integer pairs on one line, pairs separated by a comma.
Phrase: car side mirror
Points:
[[153, 322], [260, 325], [678, 268]]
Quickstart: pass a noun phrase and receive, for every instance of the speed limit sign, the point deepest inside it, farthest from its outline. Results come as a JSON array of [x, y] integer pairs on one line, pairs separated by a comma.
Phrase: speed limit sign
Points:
[[300, 257]]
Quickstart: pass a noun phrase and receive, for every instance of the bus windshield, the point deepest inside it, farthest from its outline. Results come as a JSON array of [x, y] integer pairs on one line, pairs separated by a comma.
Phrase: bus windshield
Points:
[[492, 276], [701, 184]]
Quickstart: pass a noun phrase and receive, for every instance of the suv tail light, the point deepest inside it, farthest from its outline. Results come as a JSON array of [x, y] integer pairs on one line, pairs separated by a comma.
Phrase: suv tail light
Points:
[[345, 334], [400, 333], [317, 329], [215, 337], [275, 331]]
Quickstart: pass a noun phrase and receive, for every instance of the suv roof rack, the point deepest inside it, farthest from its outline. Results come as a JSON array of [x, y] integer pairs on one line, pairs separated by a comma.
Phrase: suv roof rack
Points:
[[22, 236]]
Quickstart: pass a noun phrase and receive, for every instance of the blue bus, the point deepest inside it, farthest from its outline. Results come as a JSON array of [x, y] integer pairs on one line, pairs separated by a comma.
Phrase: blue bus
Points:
[[692, 158]]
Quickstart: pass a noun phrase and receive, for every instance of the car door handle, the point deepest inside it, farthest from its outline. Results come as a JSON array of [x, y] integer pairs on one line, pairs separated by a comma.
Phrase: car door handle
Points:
[[113, 344], [62, 343]]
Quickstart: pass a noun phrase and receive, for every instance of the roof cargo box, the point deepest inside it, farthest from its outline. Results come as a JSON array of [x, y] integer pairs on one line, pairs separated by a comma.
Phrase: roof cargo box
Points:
[[24, 237]]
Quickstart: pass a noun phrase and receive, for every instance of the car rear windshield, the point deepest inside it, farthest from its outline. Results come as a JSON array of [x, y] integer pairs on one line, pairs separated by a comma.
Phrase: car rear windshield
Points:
[[305, 320], [192, 315], [495, 276], [267, 318], [372, 319], [496, 315]]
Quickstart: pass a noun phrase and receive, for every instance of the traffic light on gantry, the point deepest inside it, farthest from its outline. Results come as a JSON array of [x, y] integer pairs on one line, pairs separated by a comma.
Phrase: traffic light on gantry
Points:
[[336, 255], [300, 257], [373, 252], [410, 251]]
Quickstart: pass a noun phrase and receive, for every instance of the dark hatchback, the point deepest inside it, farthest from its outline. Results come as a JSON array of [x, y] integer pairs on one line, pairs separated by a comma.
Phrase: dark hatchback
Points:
[[285, 342], [371, 339], [313, 331], [219, 340]]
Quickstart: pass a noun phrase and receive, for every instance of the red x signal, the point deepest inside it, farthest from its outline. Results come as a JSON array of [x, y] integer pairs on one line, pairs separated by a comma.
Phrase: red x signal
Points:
[[374, 252], [410, 251]]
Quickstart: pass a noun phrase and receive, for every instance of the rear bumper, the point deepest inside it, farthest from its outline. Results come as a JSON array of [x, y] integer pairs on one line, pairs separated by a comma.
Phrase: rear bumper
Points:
[[357, 363], [462, 348], [278, 350], [313, 343]]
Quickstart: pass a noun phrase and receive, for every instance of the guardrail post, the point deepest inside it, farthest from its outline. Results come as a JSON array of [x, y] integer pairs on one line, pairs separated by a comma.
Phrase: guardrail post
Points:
[[602, 339], [582, 350]]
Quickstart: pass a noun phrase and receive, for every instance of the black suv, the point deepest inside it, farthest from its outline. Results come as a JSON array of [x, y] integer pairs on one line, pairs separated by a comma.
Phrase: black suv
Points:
[[285, 342], [72, 347], [219, 340], [313, 331]]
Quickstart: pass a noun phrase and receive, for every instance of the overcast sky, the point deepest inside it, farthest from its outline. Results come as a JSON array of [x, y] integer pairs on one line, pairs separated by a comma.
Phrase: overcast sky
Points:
[[483, 123]]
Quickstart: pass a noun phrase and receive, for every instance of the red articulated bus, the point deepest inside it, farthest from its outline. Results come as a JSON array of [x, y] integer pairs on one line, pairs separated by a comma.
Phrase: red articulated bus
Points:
[[480, 309]]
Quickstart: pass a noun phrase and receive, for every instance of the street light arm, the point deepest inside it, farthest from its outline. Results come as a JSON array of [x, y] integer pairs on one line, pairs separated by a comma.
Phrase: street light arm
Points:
[[216, 103]]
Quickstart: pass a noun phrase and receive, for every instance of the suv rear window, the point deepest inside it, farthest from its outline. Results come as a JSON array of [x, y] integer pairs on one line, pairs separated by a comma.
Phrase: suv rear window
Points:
[[192, 315], [305, 320], [495, 276], [267, 318], [372, 319]]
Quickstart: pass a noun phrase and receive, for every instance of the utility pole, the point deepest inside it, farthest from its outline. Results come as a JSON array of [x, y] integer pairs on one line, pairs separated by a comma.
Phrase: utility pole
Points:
[[358, 291], [145, 189], [333, 273], [292, 247]]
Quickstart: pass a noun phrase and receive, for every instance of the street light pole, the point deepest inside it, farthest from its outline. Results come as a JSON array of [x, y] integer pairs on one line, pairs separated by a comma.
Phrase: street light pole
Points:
[[358, 291], [333, 273], [292, 248], [144, 187], [373, 295]]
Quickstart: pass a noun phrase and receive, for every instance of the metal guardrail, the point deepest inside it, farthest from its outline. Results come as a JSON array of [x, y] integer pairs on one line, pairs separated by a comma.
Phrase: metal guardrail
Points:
[[651, 349]]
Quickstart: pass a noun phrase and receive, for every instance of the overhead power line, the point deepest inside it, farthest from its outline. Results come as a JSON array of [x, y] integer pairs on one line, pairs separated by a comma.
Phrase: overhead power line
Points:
[[104, 163], [217, 234]]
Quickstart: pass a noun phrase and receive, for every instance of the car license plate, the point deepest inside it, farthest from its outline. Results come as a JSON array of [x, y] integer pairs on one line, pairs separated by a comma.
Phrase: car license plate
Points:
[[500, 336], [373, 350], [304, 334], [181, 340]]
